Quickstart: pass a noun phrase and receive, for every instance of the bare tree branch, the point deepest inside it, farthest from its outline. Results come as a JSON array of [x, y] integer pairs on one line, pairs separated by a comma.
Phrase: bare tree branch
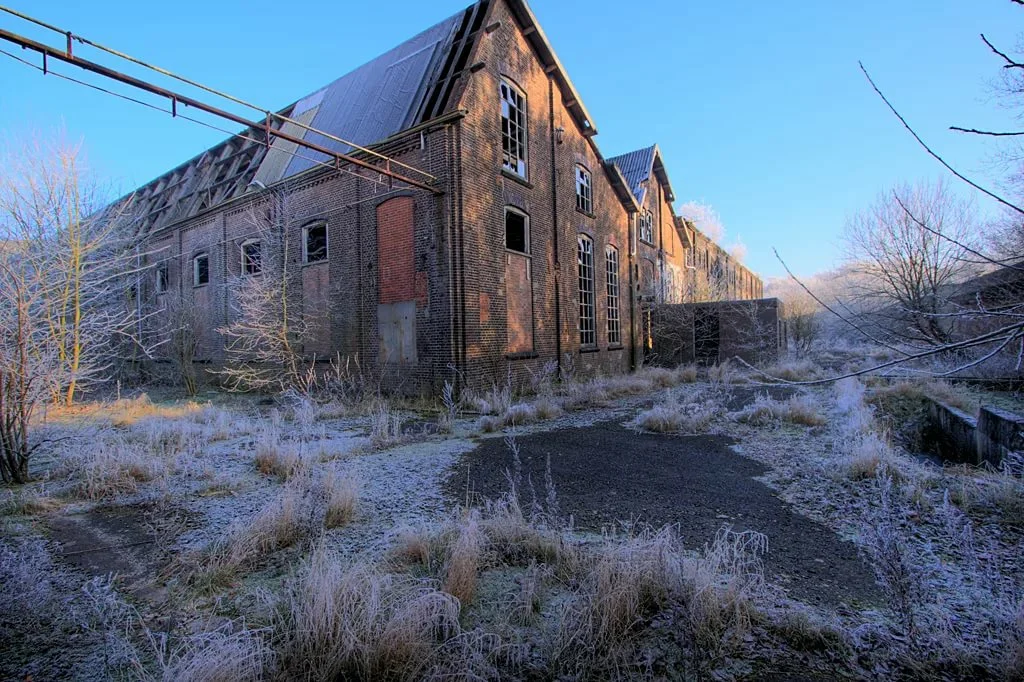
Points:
[[932, 153]]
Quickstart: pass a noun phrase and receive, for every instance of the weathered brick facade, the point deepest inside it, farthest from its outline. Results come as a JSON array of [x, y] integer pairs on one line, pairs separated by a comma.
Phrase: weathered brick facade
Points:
[[420, 285]]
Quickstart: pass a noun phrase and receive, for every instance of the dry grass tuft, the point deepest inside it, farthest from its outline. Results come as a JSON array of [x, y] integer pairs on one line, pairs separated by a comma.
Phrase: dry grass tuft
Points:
[[463, 565], [224, 655], [274, 458], [385, 426], [671, 416], [26, 503], [125, 412], [793, 370], [113, 467], [280, 524], [342, 498], [711, 597], [413, 546], [356, 623], [765, 411]]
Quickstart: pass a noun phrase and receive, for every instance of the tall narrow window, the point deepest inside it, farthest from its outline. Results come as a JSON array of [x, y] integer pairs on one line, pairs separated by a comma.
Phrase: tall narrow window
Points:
[[161, 278], [585, 259], [517, 230], [200, 269], [252, 257], [646, 219], [513, 129], [314, 243], [611, 257], [584, 192]]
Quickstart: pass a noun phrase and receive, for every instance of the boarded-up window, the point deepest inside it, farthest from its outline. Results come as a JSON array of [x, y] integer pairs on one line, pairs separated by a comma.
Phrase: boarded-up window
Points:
[[396, 280]]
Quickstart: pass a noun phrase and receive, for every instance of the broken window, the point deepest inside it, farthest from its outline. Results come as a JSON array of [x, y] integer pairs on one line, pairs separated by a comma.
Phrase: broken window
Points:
[[314, 243], [161, 278], [584, 191], [585, 260], [517, 230], [611, 257], [513, 129], [200, 269], [252, 257], [646, 219]]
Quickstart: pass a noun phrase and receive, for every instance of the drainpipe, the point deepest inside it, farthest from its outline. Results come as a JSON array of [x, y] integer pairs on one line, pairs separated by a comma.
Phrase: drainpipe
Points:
[[554, 218]]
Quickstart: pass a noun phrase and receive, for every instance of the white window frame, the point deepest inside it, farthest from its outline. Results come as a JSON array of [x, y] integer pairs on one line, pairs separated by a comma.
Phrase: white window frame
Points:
[[646, 226], [588, 302], [202, 255], [584, 189], [611, 258], [243, 260], [305, 242], [514, 129], [526, 227]]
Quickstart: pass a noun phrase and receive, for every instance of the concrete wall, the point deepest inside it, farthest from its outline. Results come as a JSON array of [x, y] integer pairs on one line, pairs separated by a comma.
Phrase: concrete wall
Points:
[[960, 437], [713, 332]]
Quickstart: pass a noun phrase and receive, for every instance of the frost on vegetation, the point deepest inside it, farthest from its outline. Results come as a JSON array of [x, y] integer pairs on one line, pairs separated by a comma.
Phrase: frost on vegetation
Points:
[[766, 411], [865, 450], [385, 426], [27, 592], [694, 416]]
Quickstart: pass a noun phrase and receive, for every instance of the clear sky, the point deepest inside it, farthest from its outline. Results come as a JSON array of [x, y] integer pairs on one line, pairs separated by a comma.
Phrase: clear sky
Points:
[[759, 108]]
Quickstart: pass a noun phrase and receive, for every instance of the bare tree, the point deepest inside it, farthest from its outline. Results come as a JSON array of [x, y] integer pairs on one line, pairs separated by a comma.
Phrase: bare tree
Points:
[[79, 254], [264, 340], [23, 373], [909, 275]]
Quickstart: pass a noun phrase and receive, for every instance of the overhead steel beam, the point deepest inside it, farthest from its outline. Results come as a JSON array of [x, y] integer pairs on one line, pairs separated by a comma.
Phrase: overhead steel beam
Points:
[[175, 98]]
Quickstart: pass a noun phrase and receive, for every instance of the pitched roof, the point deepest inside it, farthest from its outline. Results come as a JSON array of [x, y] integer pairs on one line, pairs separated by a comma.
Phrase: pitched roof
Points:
[[636, 168], [378, 99]]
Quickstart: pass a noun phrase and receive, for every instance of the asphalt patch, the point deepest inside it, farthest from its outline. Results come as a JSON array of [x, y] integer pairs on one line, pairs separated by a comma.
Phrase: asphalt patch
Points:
[[606, 475]]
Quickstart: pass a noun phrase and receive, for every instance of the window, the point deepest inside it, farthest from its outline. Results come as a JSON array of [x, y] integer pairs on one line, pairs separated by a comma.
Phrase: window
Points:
[[200, 270], [646, 220], [252, 257], [585, 259], [611, 258], [517, 230], [584, 192], [161, 278], [314, 243], [513, 129]]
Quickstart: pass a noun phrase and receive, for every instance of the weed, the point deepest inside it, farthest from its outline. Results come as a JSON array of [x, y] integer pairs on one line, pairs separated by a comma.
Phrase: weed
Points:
[[463, 564], [342, 498]]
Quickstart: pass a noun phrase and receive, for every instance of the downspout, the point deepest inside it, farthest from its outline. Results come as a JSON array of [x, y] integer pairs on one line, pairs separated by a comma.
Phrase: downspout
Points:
[[631, 238], [461, 253], [554, 218]]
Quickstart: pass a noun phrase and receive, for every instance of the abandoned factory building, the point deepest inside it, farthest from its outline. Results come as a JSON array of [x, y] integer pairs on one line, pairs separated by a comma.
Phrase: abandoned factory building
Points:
[[520, 247]]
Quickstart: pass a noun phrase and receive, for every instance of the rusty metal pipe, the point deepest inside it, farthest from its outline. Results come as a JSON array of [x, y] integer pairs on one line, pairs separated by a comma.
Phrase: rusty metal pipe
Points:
[[145, 86]]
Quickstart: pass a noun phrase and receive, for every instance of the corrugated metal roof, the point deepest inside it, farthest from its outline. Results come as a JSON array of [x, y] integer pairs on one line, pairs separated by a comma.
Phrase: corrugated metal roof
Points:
[[378, 99], [636, 168], [367, 105]]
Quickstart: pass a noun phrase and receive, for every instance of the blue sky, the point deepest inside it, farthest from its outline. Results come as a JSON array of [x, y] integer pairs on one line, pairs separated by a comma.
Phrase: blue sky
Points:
[[759, 108]]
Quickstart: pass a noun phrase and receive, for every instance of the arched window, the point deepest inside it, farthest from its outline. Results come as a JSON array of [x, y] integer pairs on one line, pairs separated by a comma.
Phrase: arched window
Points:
[[585, 260], [611, 259], [251, 252], [513, 128], [200, 269], [584, 190]]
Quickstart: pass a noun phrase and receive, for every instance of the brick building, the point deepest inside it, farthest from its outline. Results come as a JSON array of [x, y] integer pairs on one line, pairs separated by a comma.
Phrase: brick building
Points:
[[529, 248]]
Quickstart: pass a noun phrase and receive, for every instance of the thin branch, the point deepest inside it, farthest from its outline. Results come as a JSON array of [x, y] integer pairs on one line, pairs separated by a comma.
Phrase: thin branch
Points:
[[965, 247], [975, 131], [829, 308], [934, 155], [1010, 63]]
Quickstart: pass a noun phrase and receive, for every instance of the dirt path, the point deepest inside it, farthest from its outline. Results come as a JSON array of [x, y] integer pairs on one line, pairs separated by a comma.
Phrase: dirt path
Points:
[[606, 473]]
